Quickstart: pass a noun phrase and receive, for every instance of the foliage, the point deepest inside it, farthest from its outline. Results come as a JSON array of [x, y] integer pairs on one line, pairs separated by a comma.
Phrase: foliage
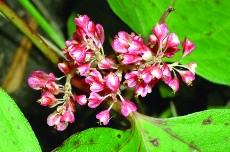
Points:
[[16, 133], [206, 30], [201, 131]]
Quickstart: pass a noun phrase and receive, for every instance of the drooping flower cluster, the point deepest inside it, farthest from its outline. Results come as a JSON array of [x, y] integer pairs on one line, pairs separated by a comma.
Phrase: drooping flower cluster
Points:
[[84, 56]]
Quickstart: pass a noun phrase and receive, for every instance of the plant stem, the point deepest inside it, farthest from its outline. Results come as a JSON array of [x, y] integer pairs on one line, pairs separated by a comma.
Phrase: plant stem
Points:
[[166, 13], [33, 36], [43, 23], [173, 108]]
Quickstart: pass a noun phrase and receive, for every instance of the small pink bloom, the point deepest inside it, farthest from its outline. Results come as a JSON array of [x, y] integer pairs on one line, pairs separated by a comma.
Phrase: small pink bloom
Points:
[[130, 58], [170, 52], [68, 117], [100, 32], [64, 67], [104, 116], [112, 81], [132, 78], [82, 21], [192, 67], [147, 56], [53, 119], [187, 76], [89, 56], [91, 29], [161, 31], [78, 53], [84, 68], [81, 99], [97, 87], [166, 73], [48, 99], [95, 100], [136, 47], [127, 106], [174, 84], [121, 42], [104, 64], [53, 87], [61, 126], [173, 40], [38, 80], [156, 71], [146, 75], [152, 40], [188, 47], [94, 76], [52, 77], [141, 89]]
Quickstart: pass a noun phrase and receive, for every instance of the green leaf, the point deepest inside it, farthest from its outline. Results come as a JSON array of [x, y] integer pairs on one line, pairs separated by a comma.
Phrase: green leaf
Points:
[[16, 133], [71, 25], [202, 131], [96, 139], [206, 23]]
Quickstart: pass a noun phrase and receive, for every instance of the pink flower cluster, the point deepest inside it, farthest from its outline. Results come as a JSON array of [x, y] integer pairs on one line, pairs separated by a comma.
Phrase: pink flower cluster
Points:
[[84, 56], [149, 59]]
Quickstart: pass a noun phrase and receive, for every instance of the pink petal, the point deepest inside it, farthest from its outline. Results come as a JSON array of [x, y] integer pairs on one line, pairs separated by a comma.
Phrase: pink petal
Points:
[[192, 67], [132, 78], [104, 116], [36, 83], [188, 47], [61, 126], [152, 40], [161, 31], [113, 82], [174, 84], [156, 71], [84, 68], [146, 75], [173, 40], [81, 99], [68, 117], [187, 76], [48, 99], [95, 100], [130, 58], [141, 89], [104, 64], [53, 119], [82, 21], [127, 107], [64, 67], [100, 32], [53, 87]]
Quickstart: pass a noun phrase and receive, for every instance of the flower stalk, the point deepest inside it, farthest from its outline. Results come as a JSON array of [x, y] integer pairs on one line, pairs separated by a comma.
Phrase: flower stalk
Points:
[[29, 32]]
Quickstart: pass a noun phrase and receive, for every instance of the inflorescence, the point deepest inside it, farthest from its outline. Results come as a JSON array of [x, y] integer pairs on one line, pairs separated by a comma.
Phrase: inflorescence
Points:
[[84, 56]]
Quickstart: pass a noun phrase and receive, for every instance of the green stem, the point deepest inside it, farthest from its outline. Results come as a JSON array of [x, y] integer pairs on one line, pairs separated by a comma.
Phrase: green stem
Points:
[[43, 23], [33, 36], [173, 108]]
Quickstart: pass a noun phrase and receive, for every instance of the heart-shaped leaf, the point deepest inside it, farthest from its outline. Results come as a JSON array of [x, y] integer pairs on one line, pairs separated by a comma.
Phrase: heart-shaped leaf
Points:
[[206, 23], [202, 131], [16, 133]]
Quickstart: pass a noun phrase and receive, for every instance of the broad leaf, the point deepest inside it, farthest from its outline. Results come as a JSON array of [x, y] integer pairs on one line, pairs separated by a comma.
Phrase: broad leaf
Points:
[[202, 131], [206, 23], [16, 133]]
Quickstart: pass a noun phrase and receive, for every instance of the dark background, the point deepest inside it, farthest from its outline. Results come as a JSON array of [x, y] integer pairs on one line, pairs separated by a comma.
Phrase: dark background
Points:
[[201, 96]]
